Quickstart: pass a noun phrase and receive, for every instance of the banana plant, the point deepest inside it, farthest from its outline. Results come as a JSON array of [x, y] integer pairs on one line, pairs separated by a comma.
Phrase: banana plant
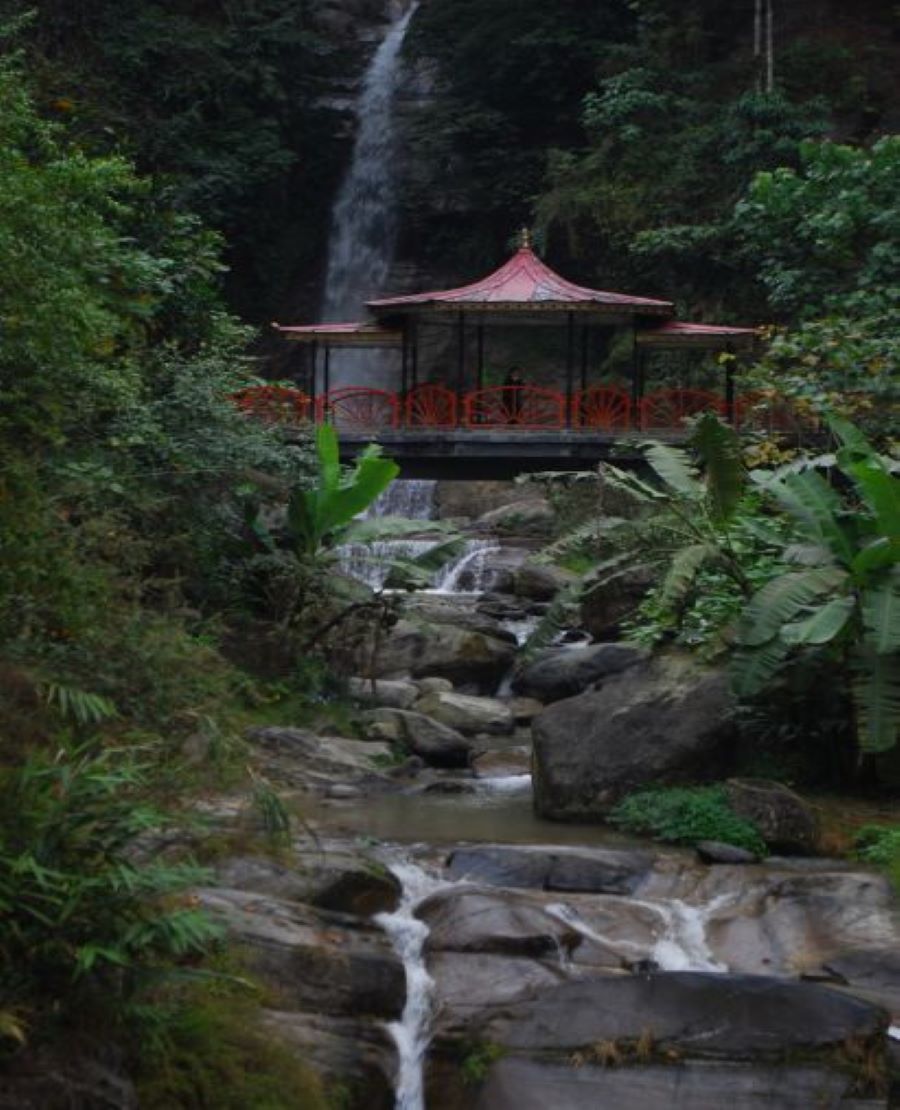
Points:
[[319, 517], [844, 594]]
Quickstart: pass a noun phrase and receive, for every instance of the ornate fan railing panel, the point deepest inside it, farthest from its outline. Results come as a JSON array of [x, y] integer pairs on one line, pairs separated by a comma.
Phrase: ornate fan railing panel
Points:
[[604, 407], [431, 406], [522, 406], [667, 408], [356, 407]]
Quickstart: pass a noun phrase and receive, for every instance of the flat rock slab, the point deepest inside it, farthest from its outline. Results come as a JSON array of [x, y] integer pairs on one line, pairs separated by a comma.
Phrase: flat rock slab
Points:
[[517, 1084], [436, 743], [697, 1013], [604, 871], [467, 983], [489, 922]]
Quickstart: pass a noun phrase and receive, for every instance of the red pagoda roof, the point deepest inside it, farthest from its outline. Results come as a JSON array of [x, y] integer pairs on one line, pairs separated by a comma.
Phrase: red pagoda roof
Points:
[[343, 335], [678, 332], [525, 282]]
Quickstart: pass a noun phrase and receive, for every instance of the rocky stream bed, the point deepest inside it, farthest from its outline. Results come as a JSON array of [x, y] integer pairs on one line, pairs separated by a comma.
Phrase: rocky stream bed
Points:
[[434, 940]]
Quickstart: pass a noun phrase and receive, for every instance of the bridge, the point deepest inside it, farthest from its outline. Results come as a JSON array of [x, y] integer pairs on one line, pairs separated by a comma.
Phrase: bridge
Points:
[[498, 432]]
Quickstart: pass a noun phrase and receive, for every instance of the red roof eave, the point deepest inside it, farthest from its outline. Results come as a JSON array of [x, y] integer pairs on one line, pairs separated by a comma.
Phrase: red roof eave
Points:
[[524, 282]]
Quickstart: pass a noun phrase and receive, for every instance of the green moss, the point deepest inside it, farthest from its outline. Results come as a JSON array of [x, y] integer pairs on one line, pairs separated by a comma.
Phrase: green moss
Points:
[[880, 844], [478, 1061], [686, 815]]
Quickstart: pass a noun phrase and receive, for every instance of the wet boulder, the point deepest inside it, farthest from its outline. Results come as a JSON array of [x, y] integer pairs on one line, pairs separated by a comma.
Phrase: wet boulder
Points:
[[541, 582], [786, 822], [665, 720], [564, 672], [434, 742], [605, 603], [465, 657], [490, 922], [597, 871], [467, 714], [392, 694]]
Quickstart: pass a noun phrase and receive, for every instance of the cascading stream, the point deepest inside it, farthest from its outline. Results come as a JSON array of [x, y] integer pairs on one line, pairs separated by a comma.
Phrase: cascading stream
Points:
[[414, 499], [412, 1033]]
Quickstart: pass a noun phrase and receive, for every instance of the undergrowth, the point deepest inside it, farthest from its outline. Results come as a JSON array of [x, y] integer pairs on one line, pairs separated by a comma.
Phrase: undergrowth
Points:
[[687, 815]]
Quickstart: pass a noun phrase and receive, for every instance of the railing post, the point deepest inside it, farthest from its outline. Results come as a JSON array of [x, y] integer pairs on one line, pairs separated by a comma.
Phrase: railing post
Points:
[[313, 375], [461, 354], [570, 367]]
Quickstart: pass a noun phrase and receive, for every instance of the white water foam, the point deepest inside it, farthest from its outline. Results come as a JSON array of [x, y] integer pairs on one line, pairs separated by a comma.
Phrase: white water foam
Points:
[[412, 1033]]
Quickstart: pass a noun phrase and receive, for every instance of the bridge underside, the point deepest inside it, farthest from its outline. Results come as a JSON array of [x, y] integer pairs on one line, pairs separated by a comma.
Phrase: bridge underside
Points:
[[465, 454]]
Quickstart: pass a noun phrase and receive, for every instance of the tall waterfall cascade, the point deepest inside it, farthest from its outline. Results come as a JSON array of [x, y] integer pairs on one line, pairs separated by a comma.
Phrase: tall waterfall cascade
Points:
[[364, 218]]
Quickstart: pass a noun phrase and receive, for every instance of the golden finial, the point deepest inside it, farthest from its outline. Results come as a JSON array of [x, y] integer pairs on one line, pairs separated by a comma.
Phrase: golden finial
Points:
[[525, 240]]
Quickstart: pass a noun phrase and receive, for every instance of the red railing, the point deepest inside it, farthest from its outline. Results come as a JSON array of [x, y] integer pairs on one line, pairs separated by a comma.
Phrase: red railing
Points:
[[668, 408], [357, 407], [603, 406], [601, 409], [519, 406], [430, 406]]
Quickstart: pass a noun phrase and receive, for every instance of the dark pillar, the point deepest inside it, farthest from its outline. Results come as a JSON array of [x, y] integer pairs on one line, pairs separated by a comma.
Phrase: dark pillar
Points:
[[414, 323], [461, 360], [570, 366], [314, 351], [585, 343], [729, 386], [480, 368], [404, 362], [326, 385]]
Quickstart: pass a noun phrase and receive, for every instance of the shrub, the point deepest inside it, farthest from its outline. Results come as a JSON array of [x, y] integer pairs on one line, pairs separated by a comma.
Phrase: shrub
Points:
[[880, 844], [686, 815]]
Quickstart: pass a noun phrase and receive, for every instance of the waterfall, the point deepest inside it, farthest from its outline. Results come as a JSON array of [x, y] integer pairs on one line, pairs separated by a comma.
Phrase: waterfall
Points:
[[413, 499], [364, 217]]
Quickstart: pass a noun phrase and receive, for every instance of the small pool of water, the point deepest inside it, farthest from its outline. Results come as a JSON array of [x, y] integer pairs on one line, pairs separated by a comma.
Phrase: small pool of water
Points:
[[499, 812]]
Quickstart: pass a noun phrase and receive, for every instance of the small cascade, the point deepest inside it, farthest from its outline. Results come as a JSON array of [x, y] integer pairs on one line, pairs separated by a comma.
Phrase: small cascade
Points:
[[412, 1033], [682, 944], [469, 573], [412, 498]]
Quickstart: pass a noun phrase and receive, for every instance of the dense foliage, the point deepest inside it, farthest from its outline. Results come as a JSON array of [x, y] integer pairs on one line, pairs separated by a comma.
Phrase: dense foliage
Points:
[[687, 815]]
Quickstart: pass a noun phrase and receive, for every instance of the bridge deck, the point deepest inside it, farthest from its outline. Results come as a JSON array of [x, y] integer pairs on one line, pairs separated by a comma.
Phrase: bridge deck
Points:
[[497, 453]]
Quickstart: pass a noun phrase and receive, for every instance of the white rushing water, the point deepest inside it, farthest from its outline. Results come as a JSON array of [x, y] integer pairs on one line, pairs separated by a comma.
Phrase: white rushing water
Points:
[[364, 218], [412, 1033], [414, 499], [682, 943]]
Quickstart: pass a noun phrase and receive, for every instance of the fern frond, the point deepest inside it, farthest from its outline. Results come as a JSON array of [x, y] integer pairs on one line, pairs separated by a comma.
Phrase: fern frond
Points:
[[631, 485], [780, 600], [675, 467]]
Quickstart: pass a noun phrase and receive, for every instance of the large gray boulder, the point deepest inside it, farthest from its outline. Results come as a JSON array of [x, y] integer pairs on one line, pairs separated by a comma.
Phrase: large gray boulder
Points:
[[695, 1013], [493, 922], [662, 721], [394, 694], [564, 672], [436, 743], [298, 757], [310, 959], [466, 713], [517, 1083], [463, 656], [540, 582], [786, 822], [531, 517]]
